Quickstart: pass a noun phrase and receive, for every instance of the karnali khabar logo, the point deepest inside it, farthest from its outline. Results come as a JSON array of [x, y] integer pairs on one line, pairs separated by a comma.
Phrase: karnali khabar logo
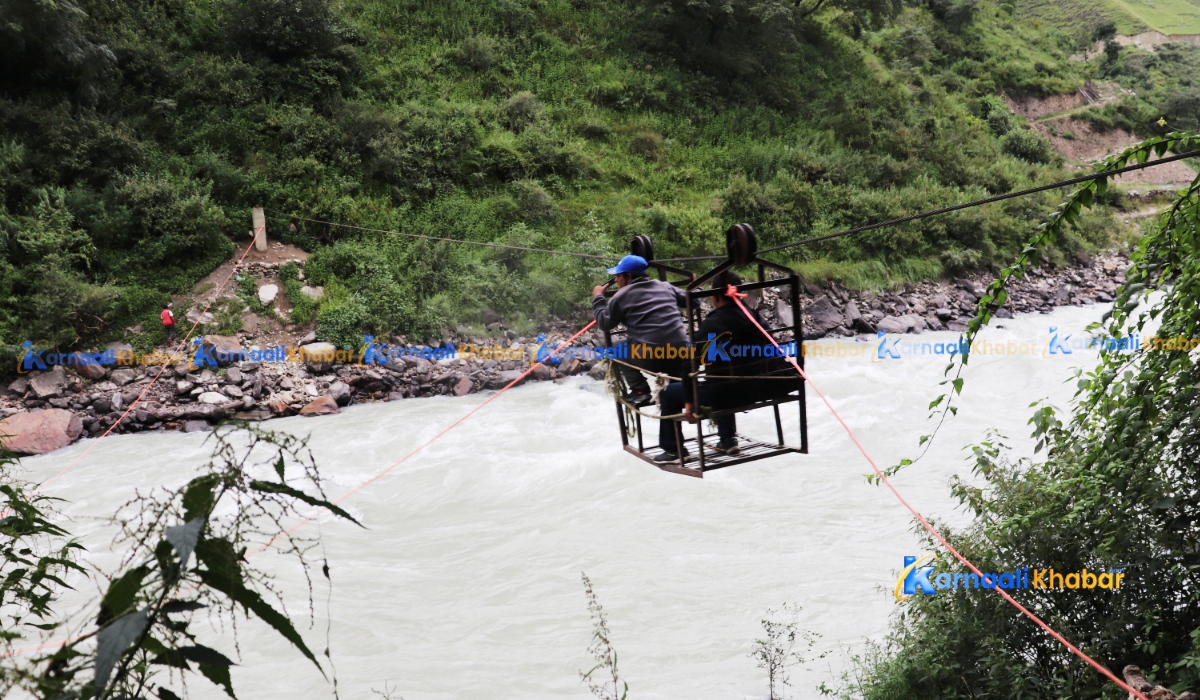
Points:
[[918, 577]]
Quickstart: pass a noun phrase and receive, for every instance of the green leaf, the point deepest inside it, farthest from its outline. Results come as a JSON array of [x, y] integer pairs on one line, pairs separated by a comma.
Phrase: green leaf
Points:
[[171, 657], [178, 606], [279, 468], [184, 537], [204, 655], [219, 675], [112, 641], [121, 594], [166, 694], [958, 385], [222, 572], [1085, 196], [200, 496], [272, 487]]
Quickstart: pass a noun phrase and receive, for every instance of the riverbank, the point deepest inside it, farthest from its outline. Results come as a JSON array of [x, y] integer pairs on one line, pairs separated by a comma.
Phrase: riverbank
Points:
[[47, 410]]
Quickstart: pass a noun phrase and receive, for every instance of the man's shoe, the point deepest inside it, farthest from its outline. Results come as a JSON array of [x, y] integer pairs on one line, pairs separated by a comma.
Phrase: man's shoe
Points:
[[669, 457], [728, 447], [638, 398]]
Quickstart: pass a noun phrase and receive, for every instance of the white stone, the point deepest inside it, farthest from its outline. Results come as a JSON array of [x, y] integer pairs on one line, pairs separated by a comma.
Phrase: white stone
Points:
[[212, 397], [313, 293], [267, 292]]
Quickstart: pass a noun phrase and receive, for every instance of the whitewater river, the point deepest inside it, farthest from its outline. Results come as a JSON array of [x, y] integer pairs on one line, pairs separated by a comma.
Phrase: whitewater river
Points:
[[466, 583]]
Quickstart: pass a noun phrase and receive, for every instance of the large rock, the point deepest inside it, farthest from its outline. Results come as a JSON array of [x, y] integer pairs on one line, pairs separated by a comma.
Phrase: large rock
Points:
[[783, 311], [198, 315], [121, 377], [320, 406], [267, 293], [212, 397], [340, 392], [318, 357], [223, 343], [463, 387], [39, 432], [90, 371], [825, 317], [21, 385], [49, 384], [855, 321], [907, 323], [314, 293]]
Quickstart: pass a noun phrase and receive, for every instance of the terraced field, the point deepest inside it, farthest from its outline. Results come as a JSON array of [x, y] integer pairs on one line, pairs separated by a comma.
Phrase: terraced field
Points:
[[1130, 16], [1166, 16]]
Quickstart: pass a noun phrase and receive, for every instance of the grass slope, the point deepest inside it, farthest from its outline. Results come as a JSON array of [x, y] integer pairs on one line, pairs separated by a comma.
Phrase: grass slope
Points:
[[572, 124]]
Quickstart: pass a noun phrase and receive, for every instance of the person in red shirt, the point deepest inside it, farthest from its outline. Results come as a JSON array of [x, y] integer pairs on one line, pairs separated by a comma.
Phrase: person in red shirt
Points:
[[168, 321]]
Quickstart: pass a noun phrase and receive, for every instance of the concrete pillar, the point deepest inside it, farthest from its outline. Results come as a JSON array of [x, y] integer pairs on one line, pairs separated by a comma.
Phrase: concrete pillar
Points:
[[260, 228]]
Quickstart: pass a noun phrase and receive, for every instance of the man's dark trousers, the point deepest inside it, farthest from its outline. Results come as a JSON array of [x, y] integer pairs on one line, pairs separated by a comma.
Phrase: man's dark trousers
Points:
[[672, 400]]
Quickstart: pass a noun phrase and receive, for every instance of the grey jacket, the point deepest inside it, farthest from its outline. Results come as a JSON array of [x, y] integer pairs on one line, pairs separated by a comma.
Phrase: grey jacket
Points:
[[648, 308]]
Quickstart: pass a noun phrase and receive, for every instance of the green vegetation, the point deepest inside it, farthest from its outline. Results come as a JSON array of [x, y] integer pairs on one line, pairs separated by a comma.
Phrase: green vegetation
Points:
[[1164, 84], [185, 567], [137, 136], [1116, 487]]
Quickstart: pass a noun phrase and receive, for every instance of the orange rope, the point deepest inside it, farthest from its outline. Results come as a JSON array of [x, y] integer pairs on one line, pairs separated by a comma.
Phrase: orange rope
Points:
[[428, 442], [163, 368], [364, 484], [732, 292]]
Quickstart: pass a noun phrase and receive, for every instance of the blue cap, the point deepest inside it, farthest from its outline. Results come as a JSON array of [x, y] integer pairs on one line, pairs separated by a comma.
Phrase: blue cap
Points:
[[634, 264]]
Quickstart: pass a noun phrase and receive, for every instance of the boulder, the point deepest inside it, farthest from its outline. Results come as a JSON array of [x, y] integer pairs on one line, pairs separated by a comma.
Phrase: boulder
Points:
[[854, 319], [783, 311], [340, 392], [222, 343], [901, 324], [598, 371], [504, 378], [39, 432], [49, 384], [314, 293], [212, 397], [196, 426], [824, 317], [267, 293], [320, 406], [121, 377], [21, 385], [944, 314], [318, 357], [233, 375], [199, 316], [309, 337], [233, 391], [90, 371], [463, 386], [278, 406]]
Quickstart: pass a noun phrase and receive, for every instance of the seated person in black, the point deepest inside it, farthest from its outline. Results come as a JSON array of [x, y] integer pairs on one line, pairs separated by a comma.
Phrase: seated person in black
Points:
[[726, 322]]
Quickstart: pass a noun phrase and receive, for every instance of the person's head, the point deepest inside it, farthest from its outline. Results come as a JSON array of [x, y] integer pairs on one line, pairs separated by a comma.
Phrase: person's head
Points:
[[722, 283], [630, 268], [167, 305]]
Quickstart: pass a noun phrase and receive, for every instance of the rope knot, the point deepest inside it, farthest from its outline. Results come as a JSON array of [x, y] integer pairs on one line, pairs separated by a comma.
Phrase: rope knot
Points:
[[732, 292]]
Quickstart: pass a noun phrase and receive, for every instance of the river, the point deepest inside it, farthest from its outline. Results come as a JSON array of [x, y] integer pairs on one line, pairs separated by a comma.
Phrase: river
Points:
[[466, 582]]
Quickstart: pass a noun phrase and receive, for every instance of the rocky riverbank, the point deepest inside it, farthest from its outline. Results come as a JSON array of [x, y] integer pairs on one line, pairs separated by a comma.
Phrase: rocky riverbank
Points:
[[44, 411]]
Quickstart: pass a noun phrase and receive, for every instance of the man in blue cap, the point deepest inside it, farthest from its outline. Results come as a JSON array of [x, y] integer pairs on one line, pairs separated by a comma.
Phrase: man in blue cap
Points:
[[650, 311]]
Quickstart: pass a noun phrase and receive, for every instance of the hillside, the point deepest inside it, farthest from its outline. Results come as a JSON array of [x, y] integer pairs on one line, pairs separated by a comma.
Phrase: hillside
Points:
[[136, 137]]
